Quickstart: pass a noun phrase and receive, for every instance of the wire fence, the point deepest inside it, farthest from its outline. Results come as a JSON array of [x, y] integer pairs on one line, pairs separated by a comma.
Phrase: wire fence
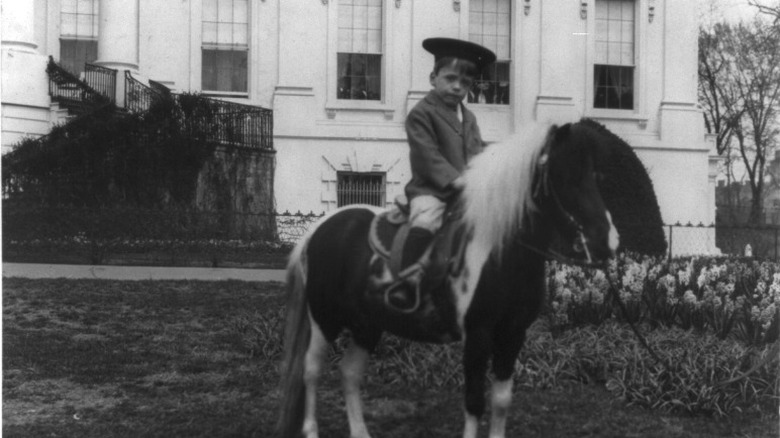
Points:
[[101, 232], [173, 236], [758, 242]]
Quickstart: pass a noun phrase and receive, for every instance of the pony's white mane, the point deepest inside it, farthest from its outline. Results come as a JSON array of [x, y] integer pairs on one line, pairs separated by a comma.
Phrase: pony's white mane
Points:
[[498, 184]]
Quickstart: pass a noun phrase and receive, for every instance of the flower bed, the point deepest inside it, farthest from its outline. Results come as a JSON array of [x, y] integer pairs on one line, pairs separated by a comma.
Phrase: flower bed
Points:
[[728, 297]]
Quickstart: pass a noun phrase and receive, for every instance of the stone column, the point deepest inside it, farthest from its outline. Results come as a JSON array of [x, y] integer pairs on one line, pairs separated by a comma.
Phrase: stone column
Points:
[[118, 34], [118, 41], [680, 117], [25, 102]]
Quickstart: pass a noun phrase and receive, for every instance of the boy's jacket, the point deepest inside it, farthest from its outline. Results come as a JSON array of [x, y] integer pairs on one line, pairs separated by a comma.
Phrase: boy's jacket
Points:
[[440, 146]]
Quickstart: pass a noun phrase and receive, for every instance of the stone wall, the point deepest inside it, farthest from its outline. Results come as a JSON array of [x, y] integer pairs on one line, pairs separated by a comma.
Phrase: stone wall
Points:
[[238, 183]]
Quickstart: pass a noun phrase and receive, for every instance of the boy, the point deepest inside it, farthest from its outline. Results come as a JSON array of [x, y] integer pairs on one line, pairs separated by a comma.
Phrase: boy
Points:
[[443, 136]]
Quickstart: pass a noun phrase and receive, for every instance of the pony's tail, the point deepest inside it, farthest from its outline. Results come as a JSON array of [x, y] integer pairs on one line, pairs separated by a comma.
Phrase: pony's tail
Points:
[[297, 333]]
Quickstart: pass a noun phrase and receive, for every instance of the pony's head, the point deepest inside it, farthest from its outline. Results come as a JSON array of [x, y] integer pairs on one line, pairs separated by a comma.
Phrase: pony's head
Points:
[[542, 178], [566, 189]]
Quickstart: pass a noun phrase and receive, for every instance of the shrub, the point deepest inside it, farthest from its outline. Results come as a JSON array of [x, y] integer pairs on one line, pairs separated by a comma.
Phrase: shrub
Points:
[[628, 194]]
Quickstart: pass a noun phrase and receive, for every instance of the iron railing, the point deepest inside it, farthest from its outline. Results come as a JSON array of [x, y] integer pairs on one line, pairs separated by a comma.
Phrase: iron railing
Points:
[[71, 91], [232, 124], [101, 79], [138, 97], [360, 188]]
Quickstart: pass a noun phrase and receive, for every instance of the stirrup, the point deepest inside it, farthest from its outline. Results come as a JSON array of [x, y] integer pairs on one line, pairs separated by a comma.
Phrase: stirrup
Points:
[[411, 271]]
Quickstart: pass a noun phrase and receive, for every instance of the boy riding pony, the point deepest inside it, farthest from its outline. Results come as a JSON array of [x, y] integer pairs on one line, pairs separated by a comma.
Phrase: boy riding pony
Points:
[[443, 137]]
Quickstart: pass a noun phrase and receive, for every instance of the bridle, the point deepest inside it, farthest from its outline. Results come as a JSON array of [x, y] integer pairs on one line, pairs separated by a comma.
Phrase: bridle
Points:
[[544, 188]]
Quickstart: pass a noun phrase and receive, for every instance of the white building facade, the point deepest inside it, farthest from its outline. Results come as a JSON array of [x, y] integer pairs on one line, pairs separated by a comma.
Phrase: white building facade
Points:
[[341, 75]]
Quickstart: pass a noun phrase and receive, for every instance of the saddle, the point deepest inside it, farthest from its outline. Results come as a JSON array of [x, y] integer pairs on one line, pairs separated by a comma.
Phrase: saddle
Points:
[[386, 238]]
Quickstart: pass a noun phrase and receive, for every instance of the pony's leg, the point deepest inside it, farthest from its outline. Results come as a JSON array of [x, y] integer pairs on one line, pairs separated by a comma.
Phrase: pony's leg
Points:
[[353, 367], [506, 349], [315, 356], [500, 399], [476, 353]]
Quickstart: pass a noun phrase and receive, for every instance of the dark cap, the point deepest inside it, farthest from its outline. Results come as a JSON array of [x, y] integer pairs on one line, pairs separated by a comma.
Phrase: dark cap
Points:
[[451, 47]]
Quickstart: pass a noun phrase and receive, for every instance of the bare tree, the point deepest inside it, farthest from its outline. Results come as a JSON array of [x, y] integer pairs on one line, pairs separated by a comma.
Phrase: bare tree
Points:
[[767, 8], [739, 72]]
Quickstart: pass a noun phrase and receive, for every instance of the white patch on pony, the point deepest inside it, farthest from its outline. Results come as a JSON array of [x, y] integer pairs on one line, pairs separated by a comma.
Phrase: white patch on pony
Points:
[[315, 356], [465, 285], [614, 237], [353, 367], [497, 195], [471, 426], [497, 191], [500, 399]]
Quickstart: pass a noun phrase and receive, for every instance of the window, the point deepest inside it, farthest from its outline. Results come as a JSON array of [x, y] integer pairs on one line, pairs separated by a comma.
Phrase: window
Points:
[[613, 72], [225, 46], [359, 52], [78, 34], [360, 188], [490, 26]]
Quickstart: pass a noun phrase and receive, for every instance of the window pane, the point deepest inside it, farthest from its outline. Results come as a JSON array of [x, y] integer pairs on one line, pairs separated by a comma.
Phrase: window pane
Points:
[[615, 32], [224, 33], [490, 25], [240, 34], [209, 32], [85, 6], [360, 17], [68, 25], [359, 76], [359, 41], [627, 32], [601, 53], [628, 10], [225, 11], [345, 17], [75, 53], [492, 85], [224, 70], [69, 6], [240, 11], [209, 10], [360, 28], [84, 25], [374, 18], [613, 87], [345, 40], [209, 70]]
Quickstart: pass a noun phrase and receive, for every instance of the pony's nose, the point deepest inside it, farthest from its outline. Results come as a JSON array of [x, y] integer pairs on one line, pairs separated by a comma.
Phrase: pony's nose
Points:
[[613, 237]]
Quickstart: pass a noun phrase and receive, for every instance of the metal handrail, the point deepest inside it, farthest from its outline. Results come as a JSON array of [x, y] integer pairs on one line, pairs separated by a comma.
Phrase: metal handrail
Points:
[[65, 87], [101, 79], [237, 124]]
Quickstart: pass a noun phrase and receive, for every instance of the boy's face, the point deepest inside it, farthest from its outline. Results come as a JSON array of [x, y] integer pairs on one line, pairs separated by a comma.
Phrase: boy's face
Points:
[[451, 85]]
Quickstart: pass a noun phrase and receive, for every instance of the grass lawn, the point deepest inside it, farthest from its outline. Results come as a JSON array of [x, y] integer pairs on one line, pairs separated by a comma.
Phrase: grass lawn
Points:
[[95, 358]]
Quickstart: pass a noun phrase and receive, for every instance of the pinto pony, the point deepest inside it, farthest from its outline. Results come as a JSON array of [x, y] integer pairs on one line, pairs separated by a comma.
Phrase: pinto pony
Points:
[[518, 196]]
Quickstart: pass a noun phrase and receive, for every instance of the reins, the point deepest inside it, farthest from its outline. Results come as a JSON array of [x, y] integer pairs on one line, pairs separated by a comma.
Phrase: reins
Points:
[[613, 291]]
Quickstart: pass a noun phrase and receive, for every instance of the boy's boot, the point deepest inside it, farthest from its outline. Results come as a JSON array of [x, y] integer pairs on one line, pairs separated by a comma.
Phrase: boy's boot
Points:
[[417, 242]]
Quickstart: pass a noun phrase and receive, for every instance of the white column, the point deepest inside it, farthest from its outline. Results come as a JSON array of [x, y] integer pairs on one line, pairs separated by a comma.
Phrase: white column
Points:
[[118, 41], [680, 118], [118, 34], [18, 25], [557, 42], [25, 102]]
